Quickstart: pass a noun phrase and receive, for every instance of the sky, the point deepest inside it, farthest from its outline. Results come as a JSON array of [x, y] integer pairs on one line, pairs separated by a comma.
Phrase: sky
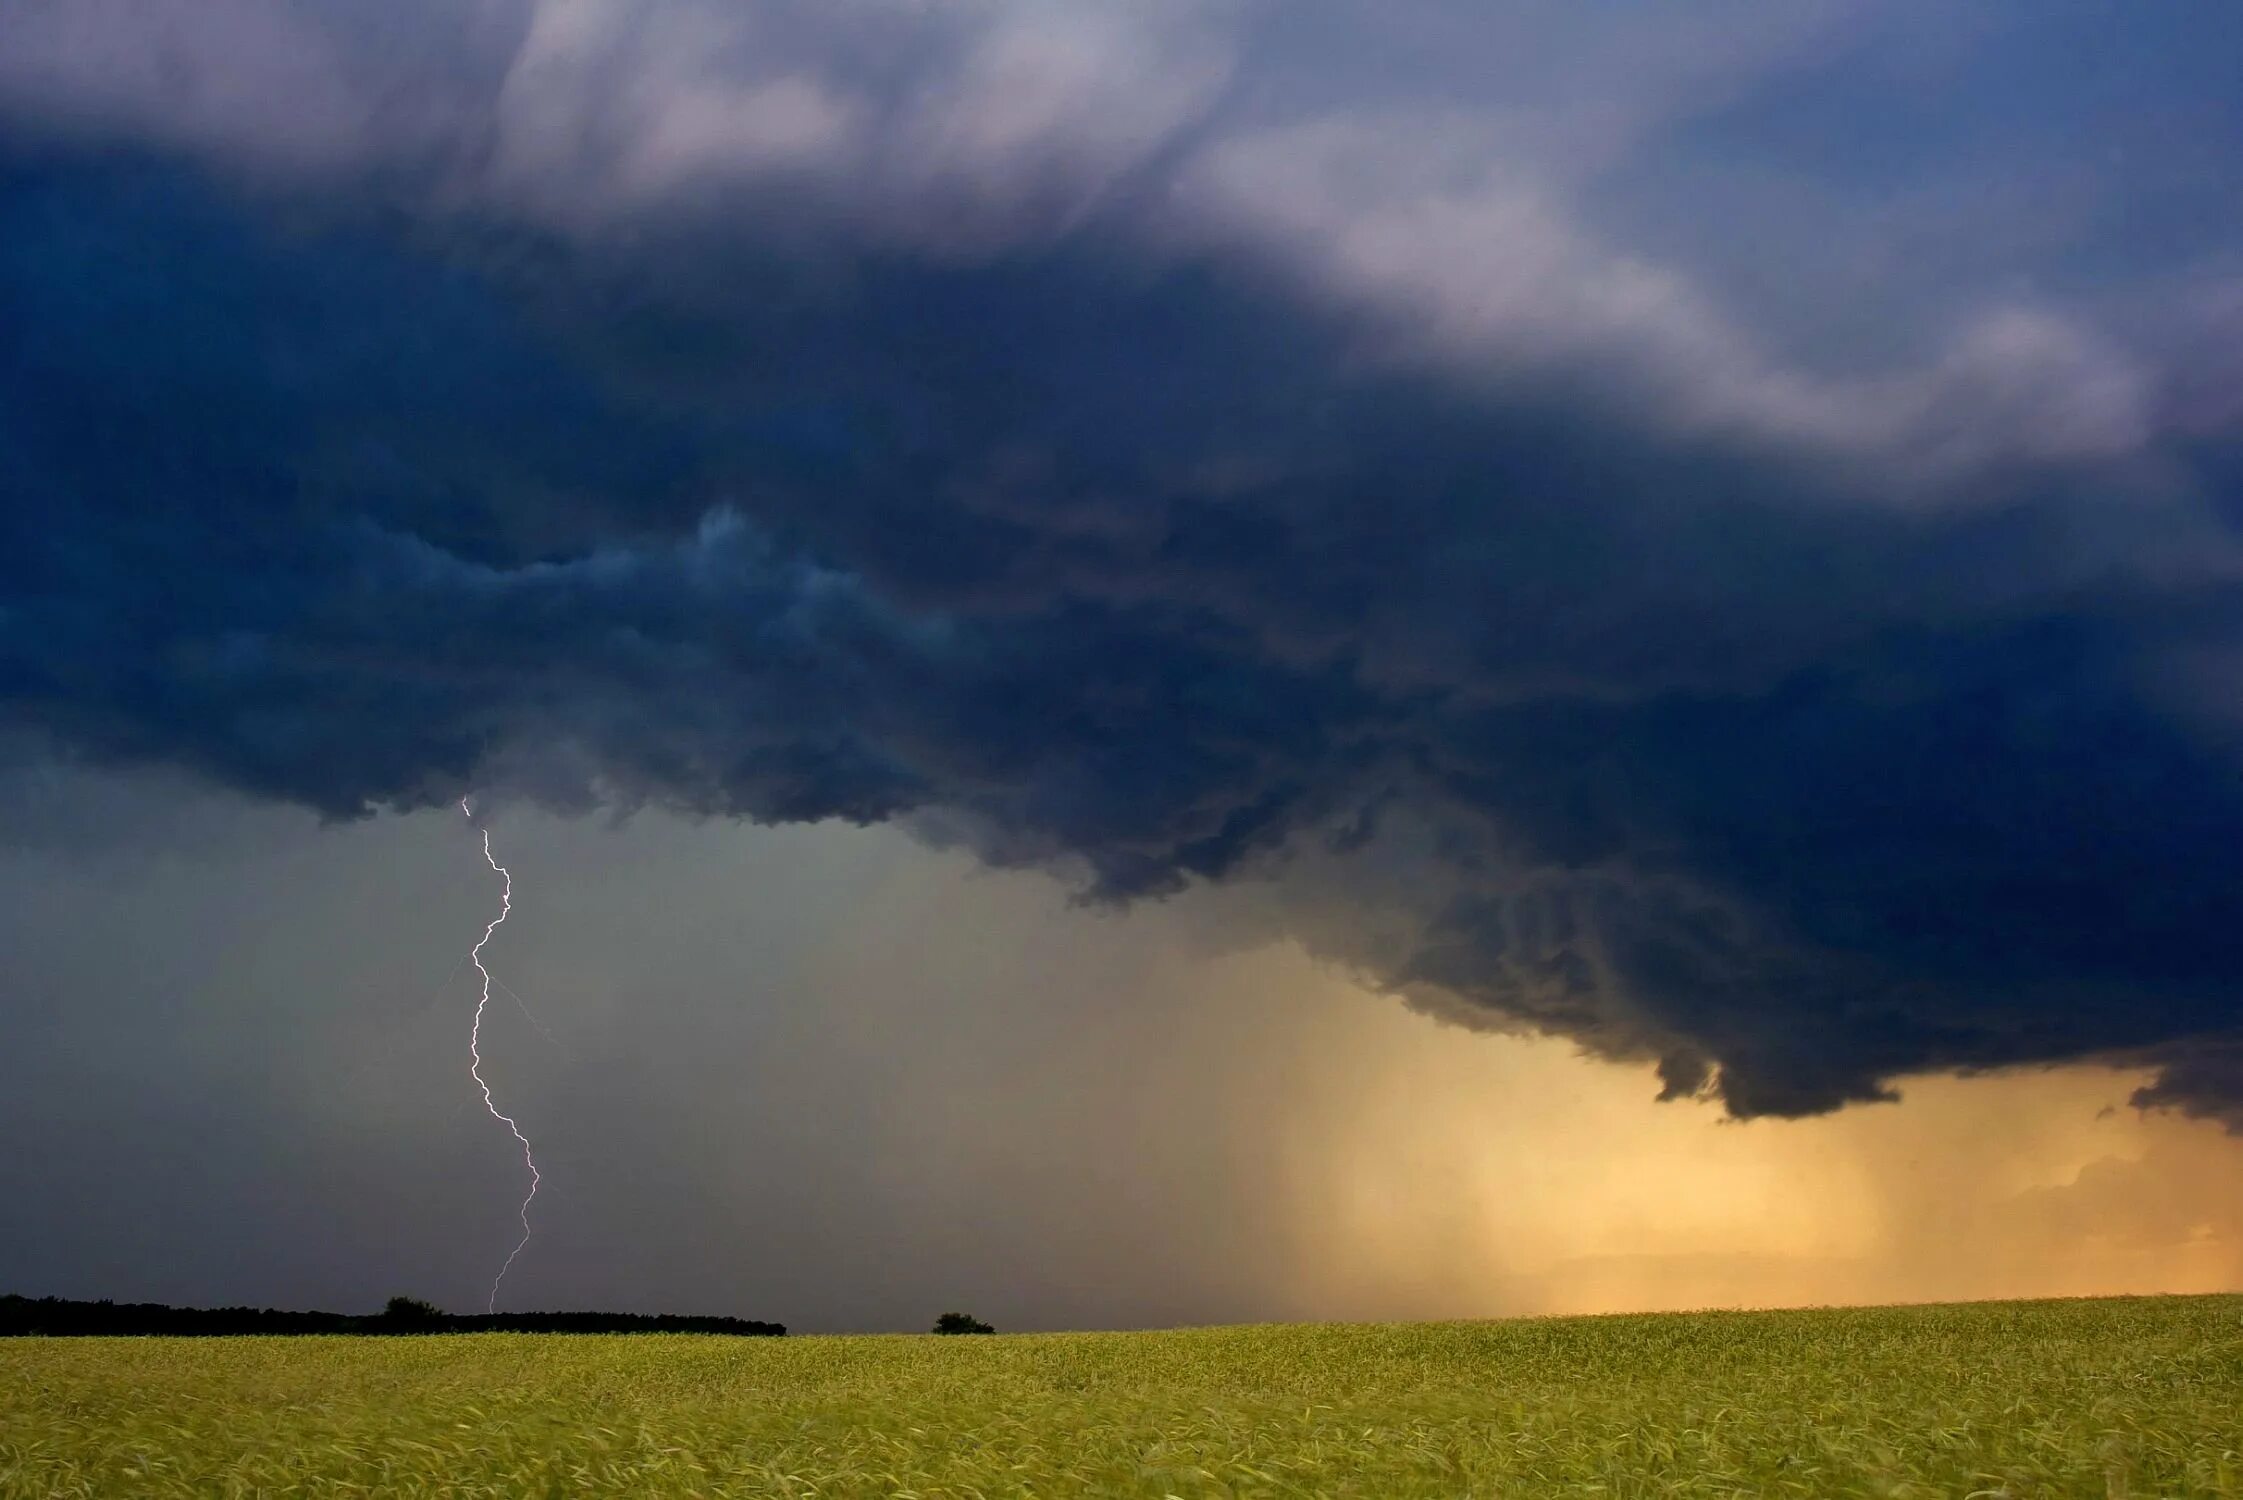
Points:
[[1190, 662]]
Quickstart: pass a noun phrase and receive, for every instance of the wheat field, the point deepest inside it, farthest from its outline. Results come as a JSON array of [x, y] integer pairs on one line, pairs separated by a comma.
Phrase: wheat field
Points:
[[2111, 1397]]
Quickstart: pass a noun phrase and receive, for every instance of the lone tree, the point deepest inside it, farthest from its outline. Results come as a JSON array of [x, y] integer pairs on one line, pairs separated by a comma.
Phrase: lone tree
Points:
[[961, 1323]]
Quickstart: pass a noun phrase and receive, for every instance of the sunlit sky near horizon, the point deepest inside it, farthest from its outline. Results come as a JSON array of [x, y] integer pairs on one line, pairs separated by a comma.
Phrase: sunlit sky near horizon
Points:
[[831, 1077], [1187, 661]]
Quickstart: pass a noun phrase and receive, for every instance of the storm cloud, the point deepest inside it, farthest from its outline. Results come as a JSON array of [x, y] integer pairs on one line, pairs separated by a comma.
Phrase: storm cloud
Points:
[[1157, 445]]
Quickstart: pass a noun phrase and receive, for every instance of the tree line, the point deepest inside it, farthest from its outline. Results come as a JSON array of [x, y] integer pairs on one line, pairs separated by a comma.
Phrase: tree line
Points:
[[58, 1316]]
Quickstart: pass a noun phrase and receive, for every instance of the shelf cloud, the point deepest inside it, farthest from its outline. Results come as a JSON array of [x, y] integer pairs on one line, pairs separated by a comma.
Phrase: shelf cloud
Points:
[[1598, 543]]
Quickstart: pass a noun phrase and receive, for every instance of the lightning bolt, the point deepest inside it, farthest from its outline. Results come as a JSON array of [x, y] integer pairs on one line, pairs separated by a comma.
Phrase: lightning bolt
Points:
[[475, 1047]]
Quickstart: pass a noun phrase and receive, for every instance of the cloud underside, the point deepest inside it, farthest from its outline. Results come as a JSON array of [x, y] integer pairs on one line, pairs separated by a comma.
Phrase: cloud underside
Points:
[[1556, 658]]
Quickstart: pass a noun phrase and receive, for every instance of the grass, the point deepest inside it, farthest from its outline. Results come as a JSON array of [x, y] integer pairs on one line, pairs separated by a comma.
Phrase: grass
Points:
[[2123, 1397]]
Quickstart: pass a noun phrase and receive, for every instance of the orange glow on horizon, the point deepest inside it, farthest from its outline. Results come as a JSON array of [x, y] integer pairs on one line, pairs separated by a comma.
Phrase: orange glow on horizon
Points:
[[1436, 1173]]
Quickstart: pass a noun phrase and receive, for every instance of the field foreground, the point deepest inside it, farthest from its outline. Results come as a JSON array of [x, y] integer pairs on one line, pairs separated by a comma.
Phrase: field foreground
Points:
[[2123, 1397]]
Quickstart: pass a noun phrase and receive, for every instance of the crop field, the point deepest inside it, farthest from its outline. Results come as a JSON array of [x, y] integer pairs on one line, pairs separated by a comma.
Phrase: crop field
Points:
[[2125, 1397]]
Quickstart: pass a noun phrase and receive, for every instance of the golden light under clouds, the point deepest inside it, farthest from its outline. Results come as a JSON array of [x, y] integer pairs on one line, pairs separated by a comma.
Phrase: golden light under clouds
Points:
[[1358, 1159], [1451, 1173]]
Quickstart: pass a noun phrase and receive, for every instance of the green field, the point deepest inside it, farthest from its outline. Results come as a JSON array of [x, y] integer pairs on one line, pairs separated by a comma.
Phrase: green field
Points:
[[2123, 1397]]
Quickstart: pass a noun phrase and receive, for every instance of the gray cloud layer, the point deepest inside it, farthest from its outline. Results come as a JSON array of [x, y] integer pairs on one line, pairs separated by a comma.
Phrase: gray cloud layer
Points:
[[1184, 444]]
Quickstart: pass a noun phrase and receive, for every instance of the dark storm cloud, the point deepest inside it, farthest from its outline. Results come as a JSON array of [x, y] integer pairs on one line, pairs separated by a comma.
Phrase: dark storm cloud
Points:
[[743, 416]]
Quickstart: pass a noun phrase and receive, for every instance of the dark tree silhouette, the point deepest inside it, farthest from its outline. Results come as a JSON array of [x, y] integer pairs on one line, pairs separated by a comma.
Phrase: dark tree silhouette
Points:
[[961, 1323], [55, 1317]]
